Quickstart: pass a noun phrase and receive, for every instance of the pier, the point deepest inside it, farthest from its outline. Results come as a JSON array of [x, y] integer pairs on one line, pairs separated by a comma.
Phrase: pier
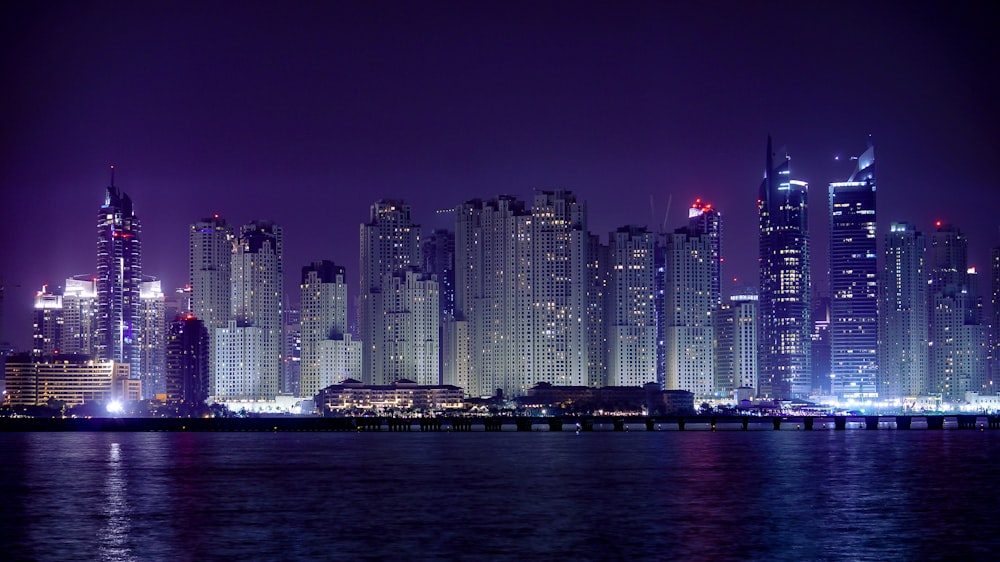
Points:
[[514, 423]]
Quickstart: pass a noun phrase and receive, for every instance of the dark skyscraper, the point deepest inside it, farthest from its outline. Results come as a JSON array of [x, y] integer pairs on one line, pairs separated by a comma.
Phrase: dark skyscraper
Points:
[[187, 360], [784, 282], [853, 282], [119, 280]]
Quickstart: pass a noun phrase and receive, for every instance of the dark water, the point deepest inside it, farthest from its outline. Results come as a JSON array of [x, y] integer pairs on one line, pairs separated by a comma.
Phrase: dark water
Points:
[[849, 495]]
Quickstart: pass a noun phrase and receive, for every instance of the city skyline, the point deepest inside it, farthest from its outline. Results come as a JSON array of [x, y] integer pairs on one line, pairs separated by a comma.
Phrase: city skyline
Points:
[[630, 107]]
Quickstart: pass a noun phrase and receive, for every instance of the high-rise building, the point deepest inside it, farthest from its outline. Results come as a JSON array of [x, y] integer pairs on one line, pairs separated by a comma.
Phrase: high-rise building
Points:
[[257, 298], [958, 338], [47, 324], [522, 284], [598, 290], [210, 262], [994, 375], [152, 337], [819, 347], [854, 282], [323, 316], [79, 309], [689, 308], [390, 242], [784, 281], [292, 353], [736, 345], [703, 219], [631, 323], [411, 317], [119, 280], [903, 320], [238, 364], [187, 360]]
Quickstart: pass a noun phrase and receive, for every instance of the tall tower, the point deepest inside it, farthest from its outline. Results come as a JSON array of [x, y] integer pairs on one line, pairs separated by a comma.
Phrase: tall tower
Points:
[[152, 337], [410, 305], [257, 299], [736, 345], [323, 302], [187, 360], [995, 301], [957, 335], [210, 257], [703, 219], [784, 281], [390, 242], [903, 315], [119, 280], [853, 282], [48, 323], [632, 323], [689, 307]]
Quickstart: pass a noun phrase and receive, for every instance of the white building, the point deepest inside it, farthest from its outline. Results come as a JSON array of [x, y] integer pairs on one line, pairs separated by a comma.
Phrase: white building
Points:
[[210, 258], [339, 359], [323, 317], [238, 358], [257, 297], [736, 345], [632, 322], [903, 315], [410, 340], [152, 338], [689, 308]]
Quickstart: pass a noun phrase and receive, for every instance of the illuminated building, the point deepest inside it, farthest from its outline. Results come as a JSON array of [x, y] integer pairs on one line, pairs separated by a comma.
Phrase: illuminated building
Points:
[[339, 359], [703, 219], [958, 338], [903, 310], [689, 307], [598, 290], [819, 347], [79, 310], [402, 394], [187, 356], [631, 323], [323, 316], [210, 262], [411, 318], [47, 324], [994, 378], [784, 282], [152, 337], [390, 242], [736, 345], [119, 280], [853, 283], [238, 358], [257, 300], [70, 378]]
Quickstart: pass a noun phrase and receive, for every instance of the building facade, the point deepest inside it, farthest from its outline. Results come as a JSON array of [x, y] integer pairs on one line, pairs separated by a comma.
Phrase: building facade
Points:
[[187, 357], [210, 260], [323, 302], [632, 323], [903, 315]]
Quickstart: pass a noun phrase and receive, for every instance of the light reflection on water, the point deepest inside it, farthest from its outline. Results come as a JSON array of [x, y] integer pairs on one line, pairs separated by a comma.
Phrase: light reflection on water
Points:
[[856, 495], [114, 535]]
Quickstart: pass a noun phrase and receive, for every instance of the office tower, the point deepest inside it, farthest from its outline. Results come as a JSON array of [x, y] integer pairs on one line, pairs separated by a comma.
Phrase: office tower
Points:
[[390, 242], [79, 309], [47, 324], [187, 358], [736, 345], [257, 299], [119, 280], [903, 320], [853, 282], [703, 219], [323, 316], [521, 283], [958, 338], [598, 290], [239, 358], [210, 262], [411, 317], [784, 281], [819, 348], [632, 320], [689, 307], [152, 317]]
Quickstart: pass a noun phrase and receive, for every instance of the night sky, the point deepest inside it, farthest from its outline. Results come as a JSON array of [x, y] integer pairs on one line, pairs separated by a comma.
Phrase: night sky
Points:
[[307, 112]]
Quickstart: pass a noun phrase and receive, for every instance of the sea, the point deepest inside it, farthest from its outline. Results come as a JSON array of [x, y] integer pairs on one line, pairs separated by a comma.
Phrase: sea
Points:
[[637, 495]]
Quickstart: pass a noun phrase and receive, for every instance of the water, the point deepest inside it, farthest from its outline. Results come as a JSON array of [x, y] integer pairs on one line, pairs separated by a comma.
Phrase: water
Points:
[[824, 495]]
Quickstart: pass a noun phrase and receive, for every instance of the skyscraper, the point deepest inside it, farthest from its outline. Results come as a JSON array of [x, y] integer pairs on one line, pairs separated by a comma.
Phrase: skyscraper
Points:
[[210, 262], [736, 345], [703, 219], [411, 318], [187, 360], [632, 323], [47, 324], [323, 302], [689, 308], [903, 321], [390, 242], [152, 337], [119, 280], [257, 299], [958, 338], [853, 282], [784, 281]]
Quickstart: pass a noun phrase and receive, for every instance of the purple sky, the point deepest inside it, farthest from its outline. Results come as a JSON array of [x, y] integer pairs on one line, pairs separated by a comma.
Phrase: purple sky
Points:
[[307, 112]]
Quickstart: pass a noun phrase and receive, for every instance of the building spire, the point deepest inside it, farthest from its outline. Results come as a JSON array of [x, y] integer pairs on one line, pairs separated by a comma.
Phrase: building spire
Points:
[[112, 175]]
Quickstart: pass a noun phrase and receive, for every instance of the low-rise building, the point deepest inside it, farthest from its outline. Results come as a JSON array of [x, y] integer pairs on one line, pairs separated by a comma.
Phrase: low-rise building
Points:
[[70, 378], [402, 394]]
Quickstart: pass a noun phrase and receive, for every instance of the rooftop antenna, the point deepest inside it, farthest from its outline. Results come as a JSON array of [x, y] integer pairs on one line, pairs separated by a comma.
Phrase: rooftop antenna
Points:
[[112, 175]]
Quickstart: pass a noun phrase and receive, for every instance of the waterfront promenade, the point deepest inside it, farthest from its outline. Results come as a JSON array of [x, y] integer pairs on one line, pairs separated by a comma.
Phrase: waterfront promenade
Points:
[[512, 423]]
